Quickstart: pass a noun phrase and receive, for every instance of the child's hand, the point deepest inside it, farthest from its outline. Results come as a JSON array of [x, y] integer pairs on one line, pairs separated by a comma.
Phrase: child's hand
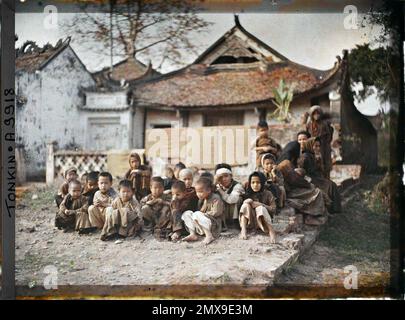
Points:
[[255, 204], [248, 201]]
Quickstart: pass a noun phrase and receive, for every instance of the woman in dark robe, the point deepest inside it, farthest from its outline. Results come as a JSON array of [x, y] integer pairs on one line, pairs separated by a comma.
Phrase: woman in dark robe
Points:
[[290, 152], [311, 161], [302, 195]]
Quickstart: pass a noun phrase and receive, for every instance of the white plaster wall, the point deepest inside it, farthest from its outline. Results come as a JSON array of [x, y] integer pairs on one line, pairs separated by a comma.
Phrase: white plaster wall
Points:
[[154, 117], [110, 129], [250, 118], [195, 120], [51, 112], [137, 128]]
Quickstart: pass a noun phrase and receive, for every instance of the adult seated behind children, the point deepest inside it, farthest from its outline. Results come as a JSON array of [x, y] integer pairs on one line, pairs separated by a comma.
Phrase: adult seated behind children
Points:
[[303, 195], [207, 220], [139, 175], [231, 193], [123, 218], [264, 143], [155, 208], [274, 179], [311, 162], [103, 199], [257, 208], [70, 175], [72, 214]]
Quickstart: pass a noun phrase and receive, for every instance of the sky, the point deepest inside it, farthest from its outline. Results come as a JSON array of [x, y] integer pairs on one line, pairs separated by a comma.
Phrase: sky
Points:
[[313, 40]]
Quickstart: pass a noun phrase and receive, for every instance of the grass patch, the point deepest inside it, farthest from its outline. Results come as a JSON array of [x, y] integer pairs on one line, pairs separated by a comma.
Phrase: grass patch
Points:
[[360, 232]]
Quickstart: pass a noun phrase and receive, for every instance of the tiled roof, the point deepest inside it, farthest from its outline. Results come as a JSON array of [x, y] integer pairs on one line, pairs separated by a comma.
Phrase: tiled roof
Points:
[[30, 57], [203, 86]]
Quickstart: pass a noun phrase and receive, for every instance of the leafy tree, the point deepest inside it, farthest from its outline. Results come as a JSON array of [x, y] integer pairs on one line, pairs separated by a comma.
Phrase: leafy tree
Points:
[[126, 28]]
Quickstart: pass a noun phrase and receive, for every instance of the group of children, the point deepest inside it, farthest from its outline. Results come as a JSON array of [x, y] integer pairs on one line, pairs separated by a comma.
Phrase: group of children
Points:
[[183, 207]]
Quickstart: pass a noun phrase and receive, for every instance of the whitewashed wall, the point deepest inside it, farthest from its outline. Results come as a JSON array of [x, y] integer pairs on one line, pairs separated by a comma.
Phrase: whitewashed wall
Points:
[[51, 112]]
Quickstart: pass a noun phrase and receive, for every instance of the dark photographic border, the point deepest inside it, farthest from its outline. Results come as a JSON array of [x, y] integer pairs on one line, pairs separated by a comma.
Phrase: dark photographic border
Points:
[[10, 291]]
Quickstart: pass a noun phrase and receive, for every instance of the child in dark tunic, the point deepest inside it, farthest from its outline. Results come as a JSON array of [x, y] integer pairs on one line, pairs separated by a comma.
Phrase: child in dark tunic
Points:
[[72, 214], [139, 175], [264, 143], [70, 175]]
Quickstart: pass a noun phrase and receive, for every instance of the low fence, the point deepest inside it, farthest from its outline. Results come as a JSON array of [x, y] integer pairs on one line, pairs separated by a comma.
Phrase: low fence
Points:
[[114, 161]]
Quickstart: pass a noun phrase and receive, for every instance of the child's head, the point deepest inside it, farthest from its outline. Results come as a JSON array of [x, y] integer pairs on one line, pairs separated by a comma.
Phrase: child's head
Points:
[[75, 189], [303, 136], [178, 190], [92, 180], [316, 113], [104, 181], [317, 146], [169, 173], [208, 175], [177, 168], [268, 162], [125, 190], [186, 175], [83, 178], [156, 186], [71, 174], [203, 188], [262, 128], [134, 161], [223, 173], [256, 182], [300, 171]]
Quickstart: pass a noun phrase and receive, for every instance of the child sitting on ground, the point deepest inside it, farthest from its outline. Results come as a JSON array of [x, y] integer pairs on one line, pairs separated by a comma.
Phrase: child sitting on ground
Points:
[[181, 202], [274, 179], [208, 220], [155, 207], [187, 176], [102, 200], [70, 175], [123, 217], [258, 207], [91, 186], [72, 214], [230, 192]]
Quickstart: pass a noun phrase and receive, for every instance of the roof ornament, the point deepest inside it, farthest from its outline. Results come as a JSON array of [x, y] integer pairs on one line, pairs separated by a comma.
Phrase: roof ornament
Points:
[[237, 22]]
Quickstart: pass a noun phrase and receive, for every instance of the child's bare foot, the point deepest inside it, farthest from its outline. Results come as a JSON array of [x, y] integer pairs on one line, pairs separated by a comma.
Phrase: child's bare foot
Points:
[[175, 236], [243, 235], [191, 237], [272, 235], [208, 240]]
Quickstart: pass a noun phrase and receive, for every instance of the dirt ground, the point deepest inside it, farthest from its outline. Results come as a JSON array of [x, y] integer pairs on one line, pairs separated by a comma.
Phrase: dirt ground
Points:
[[359, 236]]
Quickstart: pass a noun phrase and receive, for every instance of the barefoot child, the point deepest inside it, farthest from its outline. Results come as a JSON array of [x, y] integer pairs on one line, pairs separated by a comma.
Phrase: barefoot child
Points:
[[258, 207], [231, 193], [72, 214], [70, 175], [102, 200], [182, 201], [208, 220], [187, 176], [123, 217], [155, 207]]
